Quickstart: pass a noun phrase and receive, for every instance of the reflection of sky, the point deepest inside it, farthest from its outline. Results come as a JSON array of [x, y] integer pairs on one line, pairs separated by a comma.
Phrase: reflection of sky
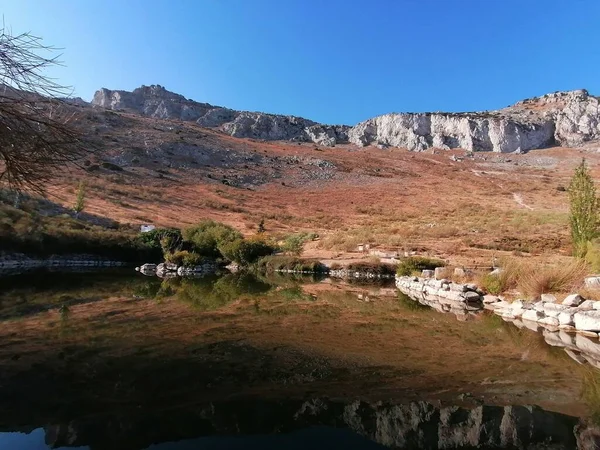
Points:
[[28, 441], [314, 438]]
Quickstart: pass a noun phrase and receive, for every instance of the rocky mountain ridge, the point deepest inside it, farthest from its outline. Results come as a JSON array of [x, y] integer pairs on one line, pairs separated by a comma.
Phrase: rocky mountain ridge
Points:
[[563, 118]]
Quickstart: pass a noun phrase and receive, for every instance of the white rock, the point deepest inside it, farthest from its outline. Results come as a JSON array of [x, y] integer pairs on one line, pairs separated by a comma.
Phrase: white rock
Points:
[[587, 320], [551, 321], [554, 309], [490, 299], [532, 315], [592, 282], [549, 298], [573, 300], [587, 305], [427, 273], [553, 339], [566, 317], [568, 339]]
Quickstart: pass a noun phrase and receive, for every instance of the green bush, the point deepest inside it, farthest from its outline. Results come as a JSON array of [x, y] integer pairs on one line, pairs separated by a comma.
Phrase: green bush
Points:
[[592, 255], [246, 252], [412, 264], [205, 237], [184, 258], [294, 243], [376, 268], [277, 262]]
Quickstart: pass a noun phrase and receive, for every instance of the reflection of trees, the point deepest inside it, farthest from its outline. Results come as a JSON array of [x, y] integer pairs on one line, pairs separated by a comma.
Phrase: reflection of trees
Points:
[[209, 293]]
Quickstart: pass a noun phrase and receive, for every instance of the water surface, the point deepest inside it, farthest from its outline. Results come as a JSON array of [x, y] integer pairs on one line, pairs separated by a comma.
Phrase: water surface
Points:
[[122, 361]]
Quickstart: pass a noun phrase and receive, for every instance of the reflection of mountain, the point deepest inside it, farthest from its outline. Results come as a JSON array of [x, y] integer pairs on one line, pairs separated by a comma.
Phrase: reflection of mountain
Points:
[[415, 425]]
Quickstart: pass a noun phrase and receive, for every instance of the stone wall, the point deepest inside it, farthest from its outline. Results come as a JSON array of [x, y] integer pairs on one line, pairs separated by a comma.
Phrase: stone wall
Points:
[[573, 324], [19, 262]]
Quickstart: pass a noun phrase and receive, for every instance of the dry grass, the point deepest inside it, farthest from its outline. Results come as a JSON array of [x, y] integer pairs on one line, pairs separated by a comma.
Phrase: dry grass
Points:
[[533, 279]]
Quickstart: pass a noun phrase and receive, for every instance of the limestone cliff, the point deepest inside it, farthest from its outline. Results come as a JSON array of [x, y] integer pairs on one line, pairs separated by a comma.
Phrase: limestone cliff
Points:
[[562, 118]]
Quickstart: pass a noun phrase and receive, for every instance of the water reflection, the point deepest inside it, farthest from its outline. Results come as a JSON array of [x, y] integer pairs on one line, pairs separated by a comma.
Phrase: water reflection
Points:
[[121, 361], [318, 422]]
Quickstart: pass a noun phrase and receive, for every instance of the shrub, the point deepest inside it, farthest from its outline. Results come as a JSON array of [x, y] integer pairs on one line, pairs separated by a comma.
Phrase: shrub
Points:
[[167, 239], [408, 266], [206, 237], [583, 209], [276, 262], [592, 255], [376, 268], [294, 243], [245, 252]]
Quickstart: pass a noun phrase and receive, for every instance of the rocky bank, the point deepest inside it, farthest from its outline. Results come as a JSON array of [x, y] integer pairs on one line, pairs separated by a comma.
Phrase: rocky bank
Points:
[[569, 119]]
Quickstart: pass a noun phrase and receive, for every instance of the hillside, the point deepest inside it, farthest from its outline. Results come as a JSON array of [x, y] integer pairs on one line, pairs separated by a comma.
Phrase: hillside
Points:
[[468, 206]]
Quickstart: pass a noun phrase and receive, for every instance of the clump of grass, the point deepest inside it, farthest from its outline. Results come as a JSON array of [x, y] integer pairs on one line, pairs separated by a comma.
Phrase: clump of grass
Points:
[[536, 281], [531, 280], [412, 264]]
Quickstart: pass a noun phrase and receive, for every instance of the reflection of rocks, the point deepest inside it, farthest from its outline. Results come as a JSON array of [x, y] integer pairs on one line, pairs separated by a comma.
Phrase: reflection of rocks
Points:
[[415, 425], [442, 295]]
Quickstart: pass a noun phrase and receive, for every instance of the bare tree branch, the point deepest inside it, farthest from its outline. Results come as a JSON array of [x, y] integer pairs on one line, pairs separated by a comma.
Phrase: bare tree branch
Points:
[[37, 129]]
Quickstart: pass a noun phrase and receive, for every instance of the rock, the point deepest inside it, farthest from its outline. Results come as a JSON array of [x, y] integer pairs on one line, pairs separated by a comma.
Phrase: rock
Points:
[[550, 321], [459, 272], [575, 356], [587, 320], [427, 273], [554, 309], [548, 298], [588, 346], [490, 299], [471, 296], [532, 315], [592, 282], [568, 339], [573, 300], [566, 317], [588, 305], [439, 273]]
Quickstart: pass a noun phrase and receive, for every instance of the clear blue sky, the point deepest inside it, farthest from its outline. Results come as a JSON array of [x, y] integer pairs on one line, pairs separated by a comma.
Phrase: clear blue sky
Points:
[[334, 61]]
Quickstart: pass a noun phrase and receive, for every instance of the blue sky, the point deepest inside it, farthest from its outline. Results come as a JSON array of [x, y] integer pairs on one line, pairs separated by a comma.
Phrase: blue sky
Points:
[[334, 61]]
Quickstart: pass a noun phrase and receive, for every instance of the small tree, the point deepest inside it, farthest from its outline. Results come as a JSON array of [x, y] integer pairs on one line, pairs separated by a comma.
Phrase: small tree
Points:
[[80, 199], [261, 226], [583, 209]]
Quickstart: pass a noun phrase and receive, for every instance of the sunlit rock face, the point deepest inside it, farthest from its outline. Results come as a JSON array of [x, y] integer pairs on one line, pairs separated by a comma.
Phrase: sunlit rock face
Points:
[[563, 118]]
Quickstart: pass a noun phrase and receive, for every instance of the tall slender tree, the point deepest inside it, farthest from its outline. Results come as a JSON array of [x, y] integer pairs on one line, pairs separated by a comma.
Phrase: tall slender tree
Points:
[[583, 209]]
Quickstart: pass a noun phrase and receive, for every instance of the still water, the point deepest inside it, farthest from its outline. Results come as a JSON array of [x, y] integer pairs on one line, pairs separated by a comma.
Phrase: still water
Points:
[[116, 360]]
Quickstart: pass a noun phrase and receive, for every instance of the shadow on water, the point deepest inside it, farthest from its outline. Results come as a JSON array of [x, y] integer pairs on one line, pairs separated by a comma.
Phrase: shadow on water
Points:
[[115, 361]]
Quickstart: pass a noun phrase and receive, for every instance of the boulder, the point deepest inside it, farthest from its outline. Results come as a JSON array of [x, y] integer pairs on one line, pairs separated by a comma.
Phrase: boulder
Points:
[[532, 315], [550, 321], [439, 273], [490, 299], [588, 305], [471, 296], [459, 272], [566, 317], [573, 300], [548, 298], [587, 320], [554, 309], [427, 273], [592, 282]]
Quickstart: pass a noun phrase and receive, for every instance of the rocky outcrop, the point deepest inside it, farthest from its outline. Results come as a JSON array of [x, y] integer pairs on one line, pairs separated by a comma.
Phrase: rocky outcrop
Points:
[[156, 101], [563, 118], [416, 425], [472, 132]]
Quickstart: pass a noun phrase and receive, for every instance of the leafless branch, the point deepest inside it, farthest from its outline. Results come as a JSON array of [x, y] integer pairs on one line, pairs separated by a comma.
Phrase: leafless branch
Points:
[[37, 132]]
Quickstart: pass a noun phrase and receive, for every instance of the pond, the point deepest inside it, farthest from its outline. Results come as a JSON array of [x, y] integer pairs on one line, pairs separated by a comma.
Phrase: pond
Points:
[[116, 360]]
